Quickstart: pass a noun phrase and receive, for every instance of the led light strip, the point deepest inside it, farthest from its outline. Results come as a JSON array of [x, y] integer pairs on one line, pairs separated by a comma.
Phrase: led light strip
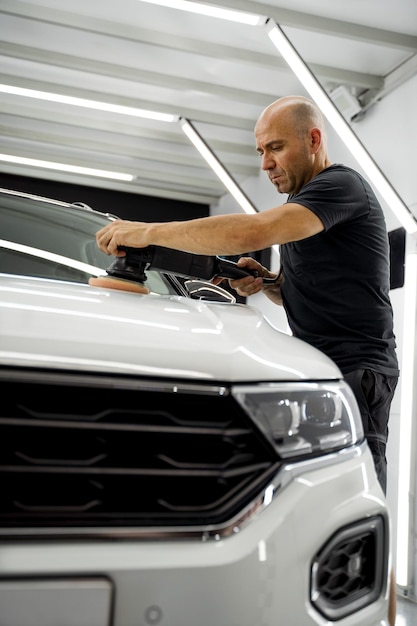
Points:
[[65, 167], [242, 17], [87, 104], [408, 366], [216, 166]]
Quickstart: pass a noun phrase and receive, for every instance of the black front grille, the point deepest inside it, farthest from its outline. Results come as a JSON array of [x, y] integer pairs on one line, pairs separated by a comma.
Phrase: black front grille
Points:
[[349, 572], [84, 451]]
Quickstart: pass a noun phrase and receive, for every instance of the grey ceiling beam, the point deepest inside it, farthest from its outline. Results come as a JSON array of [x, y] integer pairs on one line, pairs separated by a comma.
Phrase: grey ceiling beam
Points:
[[324, 25], [325, 72], [282, 15], [192, 177], [13, 131], [80, 122], [394, 79], [135, 75], [138, 187]]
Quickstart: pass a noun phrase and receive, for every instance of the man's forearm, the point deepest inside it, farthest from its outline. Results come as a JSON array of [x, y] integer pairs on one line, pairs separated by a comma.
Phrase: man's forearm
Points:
[[217, 235]]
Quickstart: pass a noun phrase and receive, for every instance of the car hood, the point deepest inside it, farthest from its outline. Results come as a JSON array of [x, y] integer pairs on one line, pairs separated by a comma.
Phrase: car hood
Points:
[[53, 324]]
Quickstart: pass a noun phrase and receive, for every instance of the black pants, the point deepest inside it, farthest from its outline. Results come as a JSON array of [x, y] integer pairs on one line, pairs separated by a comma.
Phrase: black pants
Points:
[[374, 393]]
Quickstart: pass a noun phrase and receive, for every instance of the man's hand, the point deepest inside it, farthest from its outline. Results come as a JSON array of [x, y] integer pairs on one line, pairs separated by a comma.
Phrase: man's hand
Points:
[[122, 233], [250, 285]]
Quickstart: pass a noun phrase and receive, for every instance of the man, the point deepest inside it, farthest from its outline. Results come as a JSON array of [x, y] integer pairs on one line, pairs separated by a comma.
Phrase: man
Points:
[[334, 282]]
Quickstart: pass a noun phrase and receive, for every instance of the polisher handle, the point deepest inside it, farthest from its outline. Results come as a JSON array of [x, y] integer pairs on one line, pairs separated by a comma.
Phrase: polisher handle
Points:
[[184, 264]]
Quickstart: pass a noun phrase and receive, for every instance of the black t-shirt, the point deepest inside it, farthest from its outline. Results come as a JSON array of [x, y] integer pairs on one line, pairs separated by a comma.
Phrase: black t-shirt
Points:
[[336, 283]]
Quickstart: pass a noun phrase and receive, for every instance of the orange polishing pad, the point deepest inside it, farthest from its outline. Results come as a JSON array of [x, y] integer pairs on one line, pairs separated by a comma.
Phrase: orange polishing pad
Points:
[[117, 283]]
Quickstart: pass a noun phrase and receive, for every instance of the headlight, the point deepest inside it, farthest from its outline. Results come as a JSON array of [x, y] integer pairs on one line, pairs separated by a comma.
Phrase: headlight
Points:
[[303, 418]]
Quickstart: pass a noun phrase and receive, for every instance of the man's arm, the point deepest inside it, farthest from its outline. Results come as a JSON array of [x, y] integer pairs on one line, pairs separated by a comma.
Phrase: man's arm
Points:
[[215, 235]]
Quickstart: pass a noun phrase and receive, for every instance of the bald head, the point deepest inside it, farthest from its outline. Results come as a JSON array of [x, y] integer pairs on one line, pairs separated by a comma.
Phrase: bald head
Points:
[[298, 112]]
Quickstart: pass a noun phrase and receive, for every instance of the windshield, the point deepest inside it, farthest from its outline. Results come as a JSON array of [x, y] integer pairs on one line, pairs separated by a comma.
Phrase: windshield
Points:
[[49, 239]]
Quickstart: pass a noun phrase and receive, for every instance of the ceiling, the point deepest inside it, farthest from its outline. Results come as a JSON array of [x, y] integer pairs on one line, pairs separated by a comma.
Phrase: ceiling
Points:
[[218, 74]]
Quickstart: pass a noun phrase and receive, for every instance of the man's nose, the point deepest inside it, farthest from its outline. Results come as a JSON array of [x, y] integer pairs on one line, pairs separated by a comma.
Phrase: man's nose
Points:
[[267, 162]]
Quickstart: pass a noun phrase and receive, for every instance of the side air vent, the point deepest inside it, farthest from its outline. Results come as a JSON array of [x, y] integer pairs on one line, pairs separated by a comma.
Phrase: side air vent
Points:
[[350, 570], [90, 451]]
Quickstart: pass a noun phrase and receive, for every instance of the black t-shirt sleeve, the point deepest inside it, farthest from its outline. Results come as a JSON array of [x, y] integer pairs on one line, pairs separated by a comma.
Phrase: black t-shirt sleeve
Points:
[[335, 195]]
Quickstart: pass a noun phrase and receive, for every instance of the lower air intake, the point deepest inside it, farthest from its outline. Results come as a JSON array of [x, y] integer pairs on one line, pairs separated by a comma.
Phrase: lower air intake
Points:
[[349, 572]]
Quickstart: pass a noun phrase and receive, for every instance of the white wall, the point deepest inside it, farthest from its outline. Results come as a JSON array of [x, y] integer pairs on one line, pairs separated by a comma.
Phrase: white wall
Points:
[[389, 132]]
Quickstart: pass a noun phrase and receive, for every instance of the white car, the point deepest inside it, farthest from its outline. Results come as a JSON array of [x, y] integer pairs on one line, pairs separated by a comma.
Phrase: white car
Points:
[[175, 461]]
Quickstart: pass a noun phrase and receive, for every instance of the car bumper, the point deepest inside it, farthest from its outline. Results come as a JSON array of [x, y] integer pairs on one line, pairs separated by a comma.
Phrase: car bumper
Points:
[[259, 575]]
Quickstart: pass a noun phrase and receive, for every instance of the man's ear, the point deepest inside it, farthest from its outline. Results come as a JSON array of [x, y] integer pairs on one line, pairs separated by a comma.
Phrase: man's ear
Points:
[[315, 139]]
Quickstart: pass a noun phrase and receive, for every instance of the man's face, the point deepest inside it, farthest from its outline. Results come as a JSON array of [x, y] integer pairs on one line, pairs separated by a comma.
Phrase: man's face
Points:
[[285, 152]]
